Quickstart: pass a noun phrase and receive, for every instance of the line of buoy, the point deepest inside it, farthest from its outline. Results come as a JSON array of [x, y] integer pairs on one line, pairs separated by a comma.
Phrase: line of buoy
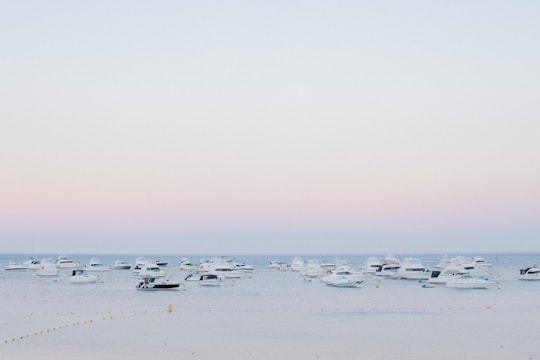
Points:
[[77, 323]]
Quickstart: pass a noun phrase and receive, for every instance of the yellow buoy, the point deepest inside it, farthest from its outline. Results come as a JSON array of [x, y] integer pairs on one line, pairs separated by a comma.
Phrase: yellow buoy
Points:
[[170, 308]]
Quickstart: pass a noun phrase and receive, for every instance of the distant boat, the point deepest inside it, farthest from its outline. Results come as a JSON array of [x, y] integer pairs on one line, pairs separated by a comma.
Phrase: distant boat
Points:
[[47, 268], [65, 262], [95, 265], [531, 272], [149, 283], [121, 265], [15, 267], [466, 281], [79, 276]]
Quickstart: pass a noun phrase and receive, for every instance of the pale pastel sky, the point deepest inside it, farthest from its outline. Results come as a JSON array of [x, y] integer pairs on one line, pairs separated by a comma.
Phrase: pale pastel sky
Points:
[[291, 127]]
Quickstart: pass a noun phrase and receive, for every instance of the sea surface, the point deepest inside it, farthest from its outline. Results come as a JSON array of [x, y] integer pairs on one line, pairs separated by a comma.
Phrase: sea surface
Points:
[[267, 314]]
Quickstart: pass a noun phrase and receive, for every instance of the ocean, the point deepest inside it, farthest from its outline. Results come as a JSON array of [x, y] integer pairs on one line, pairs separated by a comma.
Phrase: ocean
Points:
[[267, 314]]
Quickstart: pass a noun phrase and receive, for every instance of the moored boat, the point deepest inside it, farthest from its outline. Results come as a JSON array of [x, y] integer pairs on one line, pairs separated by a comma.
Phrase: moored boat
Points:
[[79, 276], [149, 283], [531, 272]]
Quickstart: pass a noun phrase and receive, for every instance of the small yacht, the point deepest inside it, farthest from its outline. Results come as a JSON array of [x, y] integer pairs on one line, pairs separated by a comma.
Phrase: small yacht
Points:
[[151, 269], [149, 283], [466, 281], [480, 261], [95, 265], [274, 264], [412, 269], [79, 276], [47, 268], [531, 272], [209, 280], [139, 263], [185, 264], [297, 264], [64, 262], [15, 267], [121, 265]]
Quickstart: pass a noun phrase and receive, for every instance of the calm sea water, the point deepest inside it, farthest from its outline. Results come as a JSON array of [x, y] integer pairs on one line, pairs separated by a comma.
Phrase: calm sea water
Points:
[[267, 314]]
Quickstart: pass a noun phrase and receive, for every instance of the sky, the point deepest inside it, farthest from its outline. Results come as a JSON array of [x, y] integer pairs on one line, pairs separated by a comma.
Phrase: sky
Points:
[[269, 127]]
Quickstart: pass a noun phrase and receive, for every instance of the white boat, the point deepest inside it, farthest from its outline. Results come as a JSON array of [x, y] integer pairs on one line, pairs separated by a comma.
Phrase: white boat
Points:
[[531, 272], [121, 265], [389, 267], [345, 283], [79, 276], [412, 269], [149, 283], [448, 273], [185, 264], [139, 263], [209, 280], [64, 262], [95, 265], [47, 268], [275, 264], [15, 267], [151, 269], [344, 274], [297, 264], [372, 265], [313, 269], [466, 281], [32, 264], [480, 261]]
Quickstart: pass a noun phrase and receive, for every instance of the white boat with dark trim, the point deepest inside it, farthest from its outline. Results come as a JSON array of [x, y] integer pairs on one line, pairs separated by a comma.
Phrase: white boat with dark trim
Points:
[[121, 265], [209, 280], [80, 276], [412, 269], [151, 269], [95, 265], [185, 264], [63, 262], [149, 283], [531, 272], [16, 267]]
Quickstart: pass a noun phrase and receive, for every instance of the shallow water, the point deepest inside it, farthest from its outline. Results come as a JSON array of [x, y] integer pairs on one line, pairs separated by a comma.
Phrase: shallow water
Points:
[[268, 314]]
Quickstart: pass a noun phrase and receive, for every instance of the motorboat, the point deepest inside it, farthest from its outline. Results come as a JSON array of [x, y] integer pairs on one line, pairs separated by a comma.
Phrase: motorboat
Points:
[[47, 268], [448, 273], [139, 263], [95, 265], [80, 276], [121, 265], [313, 269], [209, 280], [32, 264], [63, 262], [185, 264], [531, 272], [297, 264], [480, 261], [389, 267], [243, 267], [194, 276], [16, 267], [344, 274], [151, 269], [372, 264], [345, 283], [149, 283], [466, 281], [412, 269], [275, 264]]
